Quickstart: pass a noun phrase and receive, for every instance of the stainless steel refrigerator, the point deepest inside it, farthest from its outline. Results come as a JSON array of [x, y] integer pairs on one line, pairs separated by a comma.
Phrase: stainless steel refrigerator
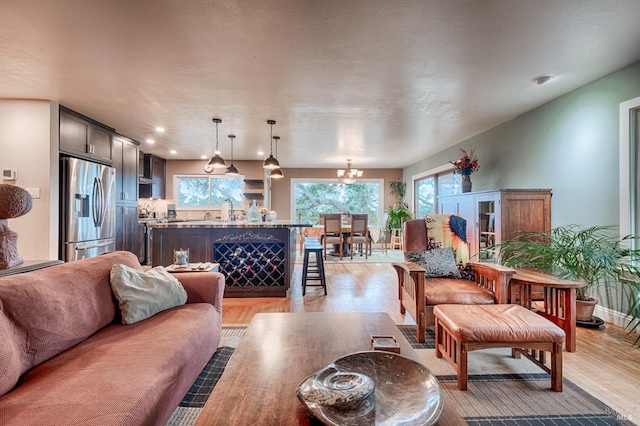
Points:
[[88, 209]]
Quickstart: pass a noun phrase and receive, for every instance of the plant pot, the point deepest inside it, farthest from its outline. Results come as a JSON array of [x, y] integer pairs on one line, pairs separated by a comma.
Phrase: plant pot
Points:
[[585, 308]]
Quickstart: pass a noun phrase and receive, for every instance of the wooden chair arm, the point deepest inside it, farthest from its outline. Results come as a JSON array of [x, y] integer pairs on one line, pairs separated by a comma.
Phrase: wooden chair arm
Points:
[[494, 277], [410, 268], [411, 276], [411, 290]]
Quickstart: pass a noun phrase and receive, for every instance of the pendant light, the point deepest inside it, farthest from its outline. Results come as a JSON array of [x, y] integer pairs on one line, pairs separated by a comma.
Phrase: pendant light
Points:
[[232, 170], [271, 162], [215, 162], [276, 173]]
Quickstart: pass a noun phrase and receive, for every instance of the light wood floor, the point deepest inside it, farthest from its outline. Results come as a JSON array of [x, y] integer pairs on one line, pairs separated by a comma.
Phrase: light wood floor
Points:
[[605, 364]]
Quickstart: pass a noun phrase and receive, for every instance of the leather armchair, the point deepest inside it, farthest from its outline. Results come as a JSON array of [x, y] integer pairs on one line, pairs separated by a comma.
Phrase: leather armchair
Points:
[[418, 294]]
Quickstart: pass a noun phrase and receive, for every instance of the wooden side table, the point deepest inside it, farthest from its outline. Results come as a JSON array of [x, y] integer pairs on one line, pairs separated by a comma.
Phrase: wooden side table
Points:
[[559, 299]]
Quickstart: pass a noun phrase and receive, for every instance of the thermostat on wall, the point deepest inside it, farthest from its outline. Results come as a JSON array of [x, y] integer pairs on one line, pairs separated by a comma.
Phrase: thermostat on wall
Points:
[[8, 174]]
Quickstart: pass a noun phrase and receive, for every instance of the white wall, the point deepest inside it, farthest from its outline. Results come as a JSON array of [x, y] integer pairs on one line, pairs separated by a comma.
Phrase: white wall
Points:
[[29, 144]]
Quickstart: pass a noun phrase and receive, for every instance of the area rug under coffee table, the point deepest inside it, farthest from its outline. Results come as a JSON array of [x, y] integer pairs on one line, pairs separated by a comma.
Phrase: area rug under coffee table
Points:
[[502, 390]]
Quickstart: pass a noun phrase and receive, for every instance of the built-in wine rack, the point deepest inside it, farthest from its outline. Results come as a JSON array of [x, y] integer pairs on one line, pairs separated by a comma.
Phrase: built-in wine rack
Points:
[[251, 264]]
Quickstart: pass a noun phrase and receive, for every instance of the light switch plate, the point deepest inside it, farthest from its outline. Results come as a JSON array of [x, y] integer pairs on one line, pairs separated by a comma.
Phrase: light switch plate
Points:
[[35, 192]]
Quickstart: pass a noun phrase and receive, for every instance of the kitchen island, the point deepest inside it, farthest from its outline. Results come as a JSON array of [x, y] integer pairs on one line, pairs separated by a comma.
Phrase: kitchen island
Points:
[[257, 258]]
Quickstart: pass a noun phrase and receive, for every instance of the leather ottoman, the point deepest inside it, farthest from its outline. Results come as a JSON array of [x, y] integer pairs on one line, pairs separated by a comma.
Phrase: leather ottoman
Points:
[[461, 329]]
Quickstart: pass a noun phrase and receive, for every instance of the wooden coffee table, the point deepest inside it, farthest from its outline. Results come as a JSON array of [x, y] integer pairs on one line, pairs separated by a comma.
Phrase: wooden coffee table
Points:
[[278, 351]]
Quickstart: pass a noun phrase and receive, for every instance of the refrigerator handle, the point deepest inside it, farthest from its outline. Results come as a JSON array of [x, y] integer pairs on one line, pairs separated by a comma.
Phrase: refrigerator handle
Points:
[[94, 202], [103, 202]]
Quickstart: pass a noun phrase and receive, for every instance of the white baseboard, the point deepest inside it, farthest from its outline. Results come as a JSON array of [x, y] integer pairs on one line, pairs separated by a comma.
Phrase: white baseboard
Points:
[[614, 317]]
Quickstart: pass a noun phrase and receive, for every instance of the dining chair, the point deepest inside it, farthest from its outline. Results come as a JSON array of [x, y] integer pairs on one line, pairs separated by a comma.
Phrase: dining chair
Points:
[[359, 233], [332, 232], [378, 234]]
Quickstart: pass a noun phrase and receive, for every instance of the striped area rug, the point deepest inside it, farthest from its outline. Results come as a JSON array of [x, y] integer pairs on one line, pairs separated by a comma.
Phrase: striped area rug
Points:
[[502, 391]]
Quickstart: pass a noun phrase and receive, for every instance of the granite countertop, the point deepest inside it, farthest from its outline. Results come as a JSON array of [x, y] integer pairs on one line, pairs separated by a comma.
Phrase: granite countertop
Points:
[[236, 224]]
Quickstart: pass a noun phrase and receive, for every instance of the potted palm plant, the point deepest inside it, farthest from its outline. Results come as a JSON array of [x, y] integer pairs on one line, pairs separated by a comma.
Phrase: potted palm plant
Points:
[[597, 256], [400, 210]]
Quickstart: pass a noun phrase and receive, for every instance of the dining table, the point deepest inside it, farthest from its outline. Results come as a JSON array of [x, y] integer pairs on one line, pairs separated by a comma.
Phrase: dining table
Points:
[[318, 230]]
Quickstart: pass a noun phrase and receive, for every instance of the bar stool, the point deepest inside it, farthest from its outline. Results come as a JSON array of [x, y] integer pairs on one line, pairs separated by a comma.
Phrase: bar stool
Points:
[[313, 271], [396, 238]]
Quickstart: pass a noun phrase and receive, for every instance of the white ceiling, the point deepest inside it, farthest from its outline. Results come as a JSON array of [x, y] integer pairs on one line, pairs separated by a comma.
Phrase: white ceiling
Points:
[[383, 82]]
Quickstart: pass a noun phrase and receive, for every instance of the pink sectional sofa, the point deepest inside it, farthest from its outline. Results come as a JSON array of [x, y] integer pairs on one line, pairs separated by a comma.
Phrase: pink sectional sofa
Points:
[[66, 359]]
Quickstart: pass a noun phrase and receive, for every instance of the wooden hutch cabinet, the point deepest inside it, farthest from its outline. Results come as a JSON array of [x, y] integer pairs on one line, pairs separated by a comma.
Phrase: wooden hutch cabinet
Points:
[[493, 216]]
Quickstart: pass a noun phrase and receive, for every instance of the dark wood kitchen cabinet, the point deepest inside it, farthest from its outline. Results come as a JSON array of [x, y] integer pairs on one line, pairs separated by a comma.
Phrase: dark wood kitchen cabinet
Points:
[[128, 230], [155, 170], [82, 137], [165, 241], [125, 161]]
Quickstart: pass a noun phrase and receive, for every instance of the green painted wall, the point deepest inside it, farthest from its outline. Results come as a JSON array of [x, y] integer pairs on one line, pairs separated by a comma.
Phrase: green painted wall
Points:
[[569, 145]]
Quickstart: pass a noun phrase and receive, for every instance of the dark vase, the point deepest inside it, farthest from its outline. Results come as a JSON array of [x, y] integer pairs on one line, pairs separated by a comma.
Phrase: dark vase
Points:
[[466, 183]]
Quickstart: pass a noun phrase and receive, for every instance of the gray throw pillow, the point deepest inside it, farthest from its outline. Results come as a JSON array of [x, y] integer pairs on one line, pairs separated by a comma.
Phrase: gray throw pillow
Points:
[[439, 262], [144, 294]]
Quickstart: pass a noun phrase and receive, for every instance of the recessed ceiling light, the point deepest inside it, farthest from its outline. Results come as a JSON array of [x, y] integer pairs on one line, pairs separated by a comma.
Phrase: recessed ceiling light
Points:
[[150, 141], [173, 151], [260, 153], [160, 129], [542, 79], [204, 157]]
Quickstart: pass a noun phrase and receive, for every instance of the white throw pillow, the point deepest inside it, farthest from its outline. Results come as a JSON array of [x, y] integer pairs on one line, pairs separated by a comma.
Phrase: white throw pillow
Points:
[[144, 294]]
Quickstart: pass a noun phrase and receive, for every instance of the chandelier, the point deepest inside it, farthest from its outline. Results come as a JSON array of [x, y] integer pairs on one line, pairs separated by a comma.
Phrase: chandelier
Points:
[[349, 175]]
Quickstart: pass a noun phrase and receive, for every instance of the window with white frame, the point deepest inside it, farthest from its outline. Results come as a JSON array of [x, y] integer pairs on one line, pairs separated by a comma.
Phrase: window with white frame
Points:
[[195, 192], [629, 169], [313, 197], [428, 186]]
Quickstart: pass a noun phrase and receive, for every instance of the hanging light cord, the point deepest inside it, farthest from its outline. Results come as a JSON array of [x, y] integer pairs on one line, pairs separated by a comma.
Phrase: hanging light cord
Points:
[[217, 150], [271, 142]]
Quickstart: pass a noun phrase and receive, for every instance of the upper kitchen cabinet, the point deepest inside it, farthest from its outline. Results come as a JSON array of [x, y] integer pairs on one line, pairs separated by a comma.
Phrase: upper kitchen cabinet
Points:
[[154, 170], [80, 136], [125, 161]]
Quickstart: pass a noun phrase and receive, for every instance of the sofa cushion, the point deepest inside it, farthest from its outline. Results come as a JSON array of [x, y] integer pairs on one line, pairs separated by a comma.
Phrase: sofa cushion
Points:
[[123, 375], [438, 263], [455, 291], [144, 294], [53, 309]]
